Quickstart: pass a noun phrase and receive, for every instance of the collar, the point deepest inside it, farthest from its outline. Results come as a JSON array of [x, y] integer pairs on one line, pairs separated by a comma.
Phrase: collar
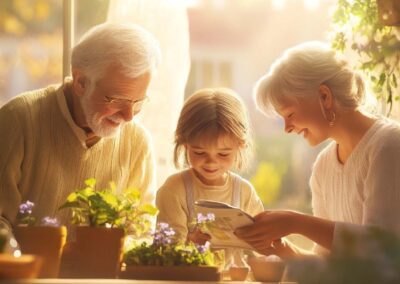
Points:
[[80, 133]]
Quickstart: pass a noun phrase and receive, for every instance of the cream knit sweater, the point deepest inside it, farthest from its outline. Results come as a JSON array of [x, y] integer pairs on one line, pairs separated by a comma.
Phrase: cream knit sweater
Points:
[[43, 156], [171, 201], [366, 189]]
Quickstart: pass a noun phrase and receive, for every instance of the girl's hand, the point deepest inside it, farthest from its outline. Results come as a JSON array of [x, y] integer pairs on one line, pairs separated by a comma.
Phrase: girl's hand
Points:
[[198, 237], [268, 227]]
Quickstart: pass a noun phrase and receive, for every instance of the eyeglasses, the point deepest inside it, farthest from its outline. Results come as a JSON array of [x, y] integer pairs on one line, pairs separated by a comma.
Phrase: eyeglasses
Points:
[[122, 103]]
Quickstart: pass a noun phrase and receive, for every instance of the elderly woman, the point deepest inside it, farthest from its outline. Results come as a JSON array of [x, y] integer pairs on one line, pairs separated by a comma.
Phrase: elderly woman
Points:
[[355, 180]]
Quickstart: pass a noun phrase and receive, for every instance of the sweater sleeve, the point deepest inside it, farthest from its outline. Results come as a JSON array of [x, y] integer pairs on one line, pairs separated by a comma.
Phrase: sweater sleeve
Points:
[[317, 200], [11, 159], [252, 202], [381, 206], [143, 170], [171, 204], [382, 187]]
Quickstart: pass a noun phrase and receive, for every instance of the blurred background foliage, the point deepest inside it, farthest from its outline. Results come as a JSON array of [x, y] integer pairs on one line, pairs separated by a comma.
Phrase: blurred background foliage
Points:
[[31, 37], [31, 41], [20, 17], [357, 27], [268, 180], [276, 176]]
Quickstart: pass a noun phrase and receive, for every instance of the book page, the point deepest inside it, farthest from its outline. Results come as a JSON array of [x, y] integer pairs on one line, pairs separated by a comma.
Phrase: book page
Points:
[[226, 221]]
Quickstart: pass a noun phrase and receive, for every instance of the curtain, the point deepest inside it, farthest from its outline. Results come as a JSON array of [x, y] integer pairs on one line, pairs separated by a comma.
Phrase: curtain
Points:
[[167, 20]]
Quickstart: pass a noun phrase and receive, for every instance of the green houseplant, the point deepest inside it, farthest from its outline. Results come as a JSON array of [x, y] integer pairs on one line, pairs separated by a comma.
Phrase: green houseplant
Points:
[[45, 239], [373, 258], [167, 259], [358, 27], [102, 220]]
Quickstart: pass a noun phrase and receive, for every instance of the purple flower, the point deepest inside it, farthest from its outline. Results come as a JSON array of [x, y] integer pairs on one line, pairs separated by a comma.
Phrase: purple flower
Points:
[[51, 222], [165, 229], [210, 217], [162, 226], [163, 234], [26, 208], [203, 248]]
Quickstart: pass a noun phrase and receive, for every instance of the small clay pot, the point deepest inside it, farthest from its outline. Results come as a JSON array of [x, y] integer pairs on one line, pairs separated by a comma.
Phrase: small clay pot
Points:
[[238, 273]]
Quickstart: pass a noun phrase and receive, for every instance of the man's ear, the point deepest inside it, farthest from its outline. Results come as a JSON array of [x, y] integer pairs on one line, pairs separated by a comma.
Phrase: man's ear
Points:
[[325, 96], [80, 83]]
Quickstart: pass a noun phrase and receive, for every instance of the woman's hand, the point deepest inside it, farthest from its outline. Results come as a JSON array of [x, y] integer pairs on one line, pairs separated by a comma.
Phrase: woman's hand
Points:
[[274, 225], [198, 237], [268, 227], [282, 248]]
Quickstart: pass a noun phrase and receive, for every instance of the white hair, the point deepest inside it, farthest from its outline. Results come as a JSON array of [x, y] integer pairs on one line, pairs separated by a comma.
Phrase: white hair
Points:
[[129, 46], [300, 72]]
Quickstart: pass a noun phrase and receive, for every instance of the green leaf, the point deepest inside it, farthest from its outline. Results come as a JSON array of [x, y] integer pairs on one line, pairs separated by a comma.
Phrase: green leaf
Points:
[[382, 79], [86, 192], [99, 208], [149, 209], [91, 182], [73, 204], [132, 194], [110, 198], [72, 197]]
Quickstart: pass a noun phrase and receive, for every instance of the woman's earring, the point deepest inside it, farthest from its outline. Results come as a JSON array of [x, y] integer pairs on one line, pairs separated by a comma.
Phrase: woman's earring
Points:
[[331, 118], [329, 115]]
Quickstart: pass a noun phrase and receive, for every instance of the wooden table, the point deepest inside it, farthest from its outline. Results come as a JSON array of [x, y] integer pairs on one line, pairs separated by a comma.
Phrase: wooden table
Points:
[[121, 281]]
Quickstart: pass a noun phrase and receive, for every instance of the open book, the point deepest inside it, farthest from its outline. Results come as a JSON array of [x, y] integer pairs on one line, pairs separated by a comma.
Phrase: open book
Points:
[[227, 219]]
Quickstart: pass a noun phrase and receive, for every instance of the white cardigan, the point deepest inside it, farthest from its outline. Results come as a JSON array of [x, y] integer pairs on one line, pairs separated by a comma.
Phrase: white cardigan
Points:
[[366, 189]]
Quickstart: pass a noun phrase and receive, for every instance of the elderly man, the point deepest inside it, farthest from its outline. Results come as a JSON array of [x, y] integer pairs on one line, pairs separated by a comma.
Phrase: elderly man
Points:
[[54, 138]]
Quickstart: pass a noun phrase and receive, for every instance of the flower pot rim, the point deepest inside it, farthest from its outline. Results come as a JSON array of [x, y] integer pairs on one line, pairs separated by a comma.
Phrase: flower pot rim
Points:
[[179, 265]]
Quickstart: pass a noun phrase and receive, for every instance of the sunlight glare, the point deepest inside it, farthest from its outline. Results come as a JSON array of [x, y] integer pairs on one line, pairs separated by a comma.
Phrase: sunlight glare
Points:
[[192, 3], [278, 4], [13, 243], [17, 253], [311, 4]]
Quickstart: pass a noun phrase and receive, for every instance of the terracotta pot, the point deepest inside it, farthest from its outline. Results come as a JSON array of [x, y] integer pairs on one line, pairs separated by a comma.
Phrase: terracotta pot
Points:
[[389, 12], [47, 242], [238, 273], [96, 253], [180, 273], [265, 270], [23, 267]]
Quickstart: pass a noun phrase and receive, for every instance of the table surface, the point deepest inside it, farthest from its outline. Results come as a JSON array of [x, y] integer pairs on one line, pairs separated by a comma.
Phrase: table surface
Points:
[[120, 281]]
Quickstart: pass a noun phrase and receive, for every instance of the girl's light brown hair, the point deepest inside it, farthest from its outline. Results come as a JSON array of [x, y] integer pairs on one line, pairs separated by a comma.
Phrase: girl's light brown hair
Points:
[[213, 113]]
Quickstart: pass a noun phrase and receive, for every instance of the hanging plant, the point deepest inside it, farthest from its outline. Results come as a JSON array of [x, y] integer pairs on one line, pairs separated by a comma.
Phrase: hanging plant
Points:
[[356, 26]]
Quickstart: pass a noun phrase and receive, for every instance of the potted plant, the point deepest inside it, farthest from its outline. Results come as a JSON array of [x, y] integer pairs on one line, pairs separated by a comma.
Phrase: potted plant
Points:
[[102, 220], [370, 258], [47, 239], [389, 12], [167, 259]]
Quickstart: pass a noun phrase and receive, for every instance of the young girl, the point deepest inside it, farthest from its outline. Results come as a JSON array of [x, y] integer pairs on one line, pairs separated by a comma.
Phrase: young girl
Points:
[[212, 137]]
